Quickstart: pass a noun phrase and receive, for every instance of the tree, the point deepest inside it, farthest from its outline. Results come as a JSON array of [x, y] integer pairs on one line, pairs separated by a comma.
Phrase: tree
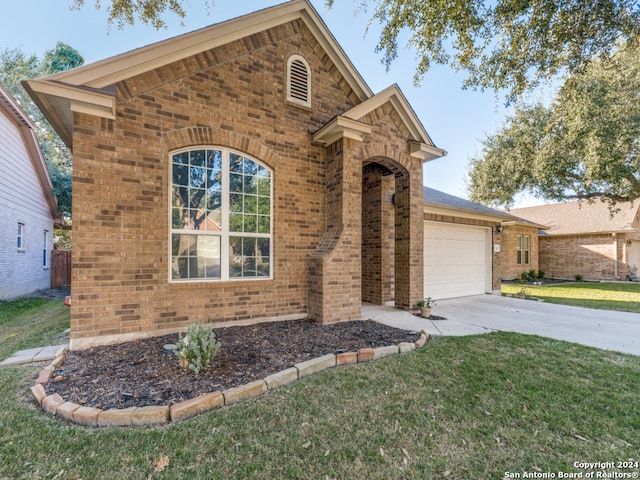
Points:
[[585, 145], [507, 44], [15, 66], [148, 12], [501, 44]]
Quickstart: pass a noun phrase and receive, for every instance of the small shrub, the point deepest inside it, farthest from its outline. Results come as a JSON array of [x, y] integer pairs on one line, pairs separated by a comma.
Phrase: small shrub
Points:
[[197, 349], [524, 276], [578, 277], [540, 274], [532, 275]]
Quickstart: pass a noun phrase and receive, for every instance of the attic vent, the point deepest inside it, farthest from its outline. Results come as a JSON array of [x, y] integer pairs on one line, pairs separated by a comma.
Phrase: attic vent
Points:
[[298, 81]]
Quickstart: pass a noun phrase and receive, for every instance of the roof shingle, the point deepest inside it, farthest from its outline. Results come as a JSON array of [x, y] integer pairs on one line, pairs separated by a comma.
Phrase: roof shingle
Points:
[[574, 218]]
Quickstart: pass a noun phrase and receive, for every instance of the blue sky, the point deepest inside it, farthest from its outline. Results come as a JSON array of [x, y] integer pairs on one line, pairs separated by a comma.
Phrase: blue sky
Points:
[[456, 119]]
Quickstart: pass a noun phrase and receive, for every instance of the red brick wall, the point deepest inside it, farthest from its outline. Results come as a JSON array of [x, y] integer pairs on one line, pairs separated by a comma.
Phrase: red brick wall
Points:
[[592, 256], [378, 234], [387, 146], [232, 97], [508, 259]]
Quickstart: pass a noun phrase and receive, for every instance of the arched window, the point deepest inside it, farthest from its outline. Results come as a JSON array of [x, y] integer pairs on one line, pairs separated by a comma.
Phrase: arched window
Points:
[[221, 211], [298, 81]]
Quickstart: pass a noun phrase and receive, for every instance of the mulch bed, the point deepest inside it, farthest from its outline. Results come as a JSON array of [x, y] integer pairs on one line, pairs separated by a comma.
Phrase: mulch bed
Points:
[[138, 373]]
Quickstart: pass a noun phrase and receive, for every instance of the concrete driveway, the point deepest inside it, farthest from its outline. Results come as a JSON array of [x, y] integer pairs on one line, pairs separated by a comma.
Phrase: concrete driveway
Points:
[[605, 329]]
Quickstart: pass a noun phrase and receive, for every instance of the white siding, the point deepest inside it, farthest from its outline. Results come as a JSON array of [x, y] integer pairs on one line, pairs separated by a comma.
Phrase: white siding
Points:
[[21, 201]]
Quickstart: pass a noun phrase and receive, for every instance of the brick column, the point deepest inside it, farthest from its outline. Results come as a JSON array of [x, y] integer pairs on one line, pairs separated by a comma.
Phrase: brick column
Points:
[[409, 261], [378, 239], [335, 266]]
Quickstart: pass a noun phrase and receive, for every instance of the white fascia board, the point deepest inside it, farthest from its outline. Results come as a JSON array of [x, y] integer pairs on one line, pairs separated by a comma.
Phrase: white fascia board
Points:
[[519, 223], [103, 104], [330, 45], [141, 60], [438, 209], [341, 127], [13, 108], [425, 152], [57, 101], [399, 102], [112, 70]]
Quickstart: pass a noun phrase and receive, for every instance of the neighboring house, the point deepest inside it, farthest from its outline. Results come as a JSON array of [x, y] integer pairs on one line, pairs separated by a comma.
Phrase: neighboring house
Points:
[[262, 126], [469, 248], [585, 239], [27, 205]]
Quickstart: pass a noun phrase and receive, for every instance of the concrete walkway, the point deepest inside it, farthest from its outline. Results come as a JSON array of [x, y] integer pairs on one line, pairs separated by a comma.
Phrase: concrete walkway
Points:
[[606, 329], [619, 331], [39, 354]]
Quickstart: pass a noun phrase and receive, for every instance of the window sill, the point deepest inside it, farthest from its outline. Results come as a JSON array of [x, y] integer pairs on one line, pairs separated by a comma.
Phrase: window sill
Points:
[[192, 281]]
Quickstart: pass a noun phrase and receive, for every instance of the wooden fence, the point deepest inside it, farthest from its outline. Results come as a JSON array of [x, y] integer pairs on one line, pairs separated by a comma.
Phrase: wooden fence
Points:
[[60, 268]]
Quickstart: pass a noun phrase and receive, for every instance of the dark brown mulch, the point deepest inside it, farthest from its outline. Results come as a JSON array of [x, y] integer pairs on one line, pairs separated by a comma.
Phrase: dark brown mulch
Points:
[[138, 373]]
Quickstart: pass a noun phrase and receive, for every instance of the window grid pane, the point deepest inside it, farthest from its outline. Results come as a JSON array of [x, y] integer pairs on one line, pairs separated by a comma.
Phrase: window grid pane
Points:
[[195, 256], [250, 187], [197, 190], [249, 257]]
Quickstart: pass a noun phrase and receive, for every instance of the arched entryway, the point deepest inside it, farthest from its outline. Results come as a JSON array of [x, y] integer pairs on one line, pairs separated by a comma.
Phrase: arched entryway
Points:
[[379, 233]]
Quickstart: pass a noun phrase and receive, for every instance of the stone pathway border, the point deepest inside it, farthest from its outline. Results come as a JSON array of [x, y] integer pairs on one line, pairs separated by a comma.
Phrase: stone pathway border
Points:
[[160, 415], [39, 354]]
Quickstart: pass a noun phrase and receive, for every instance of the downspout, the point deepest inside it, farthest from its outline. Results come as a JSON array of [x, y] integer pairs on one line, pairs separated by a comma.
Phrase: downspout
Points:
[[615, 256]]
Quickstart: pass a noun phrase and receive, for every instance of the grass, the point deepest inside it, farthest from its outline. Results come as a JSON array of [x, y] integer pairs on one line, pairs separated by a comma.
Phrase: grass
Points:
[[462, 407], [606, 296], [31, 322]]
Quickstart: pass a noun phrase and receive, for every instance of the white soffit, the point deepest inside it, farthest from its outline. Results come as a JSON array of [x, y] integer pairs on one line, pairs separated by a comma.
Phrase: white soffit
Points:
[[341, 127]]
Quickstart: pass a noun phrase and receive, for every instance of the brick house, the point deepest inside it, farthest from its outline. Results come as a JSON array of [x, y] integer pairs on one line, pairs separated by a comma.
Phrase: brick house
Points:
[[470, 248], [27, 206], [584, 239], [223, 176]]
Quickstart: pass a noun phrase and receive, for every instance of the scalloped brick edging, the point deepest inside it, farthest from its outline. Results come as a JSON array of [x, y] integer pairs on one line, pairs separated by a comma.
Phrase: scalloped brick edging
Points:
[[55, 405]]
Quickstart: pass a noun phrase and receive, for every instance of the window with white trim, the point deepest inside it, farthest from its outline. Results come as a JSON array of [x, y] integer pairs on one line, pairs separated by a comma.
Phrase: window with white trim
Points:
[[45, 242], [221, 216], [20, 237], [298, 81], [523, 250]]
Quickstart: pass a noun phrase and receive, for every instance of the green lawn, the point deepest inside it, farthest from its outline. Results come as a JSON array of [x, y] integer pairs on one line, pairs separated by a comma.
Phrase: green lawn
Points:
[[607, 296], [460, 408], [31, 322]]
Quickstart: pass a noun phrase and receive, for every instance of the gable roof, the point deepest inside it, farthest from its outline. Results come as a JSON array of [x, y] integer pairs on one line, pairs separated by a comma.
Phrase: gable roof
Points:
[[350, 124], [435, 197], [576, 218], [91, 88], [15, 112], [436, 201]]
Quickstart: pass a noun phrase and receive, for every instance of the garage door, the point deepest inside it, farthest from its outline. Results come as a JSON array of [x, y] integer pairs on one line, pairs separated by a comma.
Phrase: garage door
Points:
[[634, 254], [456, 260]]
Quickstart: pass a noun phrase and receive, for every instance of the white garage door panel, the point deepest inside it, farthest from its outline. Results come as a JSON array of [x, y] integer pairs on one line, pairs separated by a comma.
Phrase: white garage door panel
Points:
[[634, 254], [455, 260]]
